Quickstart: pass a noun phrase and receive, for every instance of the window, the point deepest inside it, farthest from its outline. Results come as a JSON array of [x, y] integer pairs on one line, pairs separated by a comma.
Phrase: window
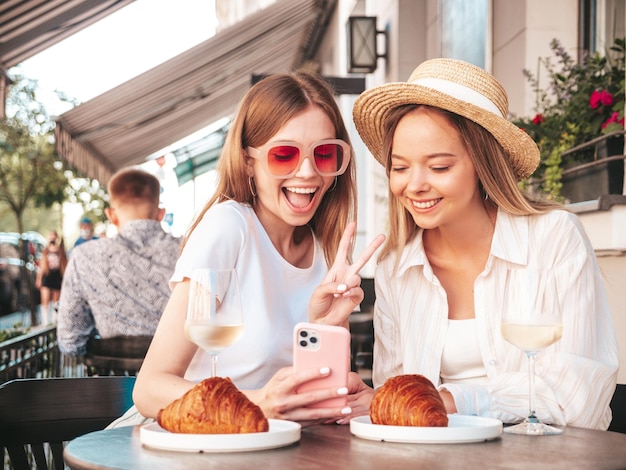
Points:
[[600, 21], [464, 30]]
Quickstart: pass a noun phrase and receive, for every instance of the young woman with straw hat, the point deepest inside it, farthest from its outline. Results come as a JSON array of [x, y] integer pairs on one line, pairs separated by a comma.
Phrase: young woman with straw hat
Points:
[[458, 220]]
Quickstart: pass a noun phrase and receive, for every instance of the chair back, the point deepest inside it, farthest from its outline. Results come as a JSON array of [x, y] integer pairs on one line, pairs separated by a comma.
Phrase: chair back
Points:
[[34, 412], [369, 297], [119, 355], [618, 407]]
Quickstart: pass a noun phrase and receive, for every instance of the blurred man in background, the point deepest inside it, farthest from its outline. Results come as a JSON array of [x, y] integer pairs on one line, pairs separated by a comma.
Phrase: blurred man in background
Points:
[[86, 232], [118, 286]]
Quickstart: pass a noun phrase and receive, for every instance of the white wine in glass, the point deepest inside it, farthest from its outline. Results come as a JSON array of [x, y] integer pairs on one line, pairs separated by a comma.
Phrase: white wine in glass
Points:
[[214, 314], [531, 321]]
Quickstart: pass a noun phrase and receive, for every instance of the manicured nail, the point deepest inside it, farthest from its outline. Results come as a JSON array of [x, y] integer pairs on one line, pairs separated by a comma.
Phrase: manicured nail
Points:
[[325, 370], [346, 411], [342, 391], [341, 287]]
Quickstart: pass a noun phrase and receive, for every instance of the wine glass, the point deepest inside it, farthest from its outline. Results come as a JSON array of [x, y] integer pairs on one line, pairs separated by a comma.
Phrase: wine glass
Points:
[[214, 313], [531, 321]]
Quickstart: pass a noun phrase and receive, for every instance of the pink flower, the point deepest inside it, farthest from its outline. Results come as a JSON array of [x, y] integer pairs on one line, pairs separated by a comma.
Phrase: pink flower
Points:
[[538, 119], [614, 118], [598, 98]]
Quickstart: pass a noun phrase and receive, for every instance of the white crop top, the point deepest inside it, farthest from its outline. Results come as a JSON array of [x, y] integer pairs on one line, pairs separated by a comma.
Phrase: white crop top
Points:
[[461, 360]]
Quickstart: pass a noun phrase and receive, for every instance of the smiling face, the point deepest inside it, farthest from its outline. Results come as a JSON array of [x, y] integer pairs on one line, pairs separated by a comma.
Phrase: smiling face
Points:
[[294, 200], [431, 172]]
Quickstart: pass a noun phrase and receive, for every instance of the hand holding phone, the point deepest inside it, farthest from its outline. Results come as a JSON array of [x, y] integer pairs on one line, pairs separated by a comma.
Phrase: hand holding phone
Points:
[[316, 346]]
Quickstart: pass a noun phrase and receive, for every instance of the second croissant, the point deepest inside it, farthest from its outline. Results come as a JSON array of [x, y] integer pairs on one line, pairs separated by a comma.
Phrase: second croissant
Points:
[[408, 400]]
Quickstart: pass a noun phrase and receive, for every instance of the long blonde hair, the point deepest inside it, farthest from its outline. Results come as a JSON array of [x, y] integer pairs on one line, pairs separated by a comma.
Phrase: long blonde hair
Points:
[[263, 111], [495, 175]]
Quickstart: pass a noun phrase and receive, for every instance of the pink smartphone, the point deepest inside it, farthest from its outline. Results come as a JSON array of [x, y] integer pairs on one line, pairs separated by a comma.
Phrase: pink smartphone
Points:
[[316, 346]]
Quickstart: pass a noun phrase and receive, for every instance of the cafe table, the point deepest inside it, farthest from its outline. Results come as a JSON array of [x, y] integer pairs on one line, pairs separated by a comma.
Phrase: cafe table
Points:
[[334, 446]]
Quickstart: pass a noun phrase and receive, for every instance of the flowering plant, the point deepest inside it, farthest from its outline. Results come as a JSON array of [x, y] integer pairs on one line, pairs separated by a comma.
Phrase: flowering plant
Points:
[[582, 101]]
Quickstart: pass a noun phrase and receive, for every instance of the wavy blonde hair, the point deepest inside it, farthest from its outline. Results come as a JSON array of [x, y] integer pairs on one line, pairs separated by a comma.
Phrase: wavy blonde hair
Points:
[[496, 177], [264, 110]]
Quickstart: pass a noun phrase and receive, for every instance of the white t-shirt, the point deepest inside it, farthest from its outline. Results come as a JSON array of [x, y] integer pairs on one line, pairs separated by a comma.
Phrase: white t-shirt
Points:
[[275, 294]]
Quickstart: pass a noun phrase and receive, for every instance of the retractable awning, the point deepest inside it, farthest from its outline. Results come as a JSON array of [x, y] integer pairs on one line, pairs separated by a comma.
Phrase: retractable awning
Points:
[[30, 26], [190, 91]]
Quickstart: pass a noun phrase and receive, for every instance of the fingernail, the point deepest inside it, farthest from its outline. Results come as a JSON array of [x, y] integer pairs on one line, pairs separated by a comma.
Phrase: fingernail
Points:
[[325, 370], [342, 391], [341, 287], [340, 421], [335, 295], [346, 411]]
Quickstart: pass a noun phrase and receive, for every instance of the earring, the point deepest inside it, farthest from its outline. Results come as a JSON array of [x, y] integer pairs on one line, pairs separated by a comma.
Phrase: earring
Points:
[[483, 191], [252, 186], [333, 186]]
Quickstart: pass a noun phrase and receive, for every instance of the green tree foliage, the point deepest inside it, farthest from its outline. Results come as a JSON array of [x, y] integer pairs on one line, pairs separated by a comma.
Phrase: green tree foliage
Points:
[[90, 195], [28, 176], [27, 156]]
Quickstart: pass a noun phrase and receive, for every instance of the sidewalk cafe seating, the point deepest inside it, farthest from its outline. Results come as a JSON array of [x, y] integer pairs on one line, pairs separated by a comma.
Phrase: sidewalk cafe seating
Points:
[[618, 407], [362, 333], [120, 355], [35, 412]]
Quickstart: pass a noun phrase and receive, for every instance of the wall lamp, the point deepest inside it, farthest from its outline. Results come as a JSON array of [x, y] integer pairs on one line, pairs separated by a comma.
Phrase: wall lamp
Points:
[[363, 45]]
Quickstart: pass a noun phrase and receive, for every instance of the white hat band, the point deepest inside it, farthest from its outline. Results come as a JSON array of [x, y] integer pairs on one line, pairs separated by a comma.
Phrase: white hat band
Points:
[[460, 92]]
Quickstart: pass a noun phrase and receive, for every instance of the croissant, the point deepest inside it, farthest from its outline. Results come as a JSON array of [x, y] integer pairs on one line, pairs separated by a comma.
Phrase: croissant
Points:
[[408, 400], [213, 406]]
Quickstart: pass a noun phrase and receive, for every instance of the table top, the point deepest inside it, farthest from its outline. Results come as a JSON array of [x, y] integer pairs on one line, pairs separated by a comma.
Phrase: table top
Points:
[[333, 446]]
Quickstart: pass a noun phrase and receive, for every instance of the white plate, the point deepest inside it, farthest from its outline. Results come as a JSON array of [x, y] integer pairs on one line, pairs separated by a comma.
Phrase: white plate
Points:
[[461, 429], [281, 433]]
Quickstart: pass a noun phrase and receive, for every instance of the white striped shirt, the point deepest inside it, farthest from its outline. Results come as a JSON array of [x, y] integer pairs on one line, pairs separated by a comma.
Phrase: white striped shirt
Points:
[[575, 377]]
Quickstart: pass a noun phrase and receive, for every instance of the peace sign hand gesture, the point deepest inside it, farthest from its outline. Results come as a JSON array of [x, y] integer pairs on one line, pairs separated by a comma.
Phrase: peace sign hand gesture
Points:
[[334, 300]]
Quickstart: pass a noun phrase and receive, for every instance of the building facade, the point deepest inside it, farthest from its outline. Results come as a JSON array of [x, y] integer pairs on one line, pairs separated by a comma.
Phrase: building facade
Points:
[[504, 37]]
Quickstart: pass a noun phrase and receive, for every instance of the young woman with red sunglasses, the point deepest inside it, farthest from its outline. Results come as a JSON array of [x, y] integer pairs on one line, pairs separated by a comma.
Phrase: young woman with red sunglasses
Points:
[[283, 216]]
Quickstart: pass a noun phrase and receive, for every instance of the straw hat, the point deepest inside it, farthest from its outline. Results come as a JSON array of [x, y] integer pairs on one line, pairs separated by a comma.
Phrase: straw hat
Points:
[[455, 86]]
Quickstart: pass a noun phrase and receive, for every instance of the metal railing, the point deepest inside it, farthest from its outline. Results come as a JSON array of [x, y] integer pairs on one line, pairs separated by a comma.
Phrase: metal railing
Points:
[[35, 354], [570, 153], [588, 171]]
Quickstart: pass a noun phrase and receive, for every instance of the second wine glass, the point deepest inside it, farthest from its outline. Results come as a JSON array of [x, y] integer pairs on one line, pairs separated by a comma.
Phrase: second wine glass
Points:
[[214, 314], [531, 321]]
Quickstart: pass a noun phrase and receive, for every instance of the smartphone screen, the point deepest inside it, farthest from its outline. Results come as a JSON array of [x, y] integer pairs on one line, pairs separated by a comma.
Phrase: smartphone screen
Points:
[[316, 346]]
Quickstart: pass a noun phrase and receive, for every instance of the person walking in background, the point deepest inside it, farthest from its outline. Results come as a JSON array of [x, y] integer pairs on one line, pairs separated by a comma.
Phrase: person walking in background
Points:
[[119, 285], [86, 232], [50, 276]]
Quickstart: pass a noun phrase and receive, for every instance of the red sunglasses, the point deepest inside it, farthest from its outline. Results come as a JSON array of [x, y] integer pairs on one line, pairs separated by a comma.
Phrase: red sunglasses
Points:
[[283, 159]]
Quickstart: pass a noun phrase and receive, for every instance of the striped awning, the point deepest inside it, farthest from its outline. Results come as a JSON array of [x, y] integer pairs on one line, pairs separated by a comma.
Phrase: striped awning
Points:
[[30, 26], [131, 122]]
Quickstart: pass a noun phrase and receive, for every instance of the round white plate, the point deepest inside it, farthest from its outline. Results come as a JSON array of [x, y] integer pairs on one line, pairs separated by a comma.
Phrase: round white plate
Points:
[[281, 433], [461, 429]]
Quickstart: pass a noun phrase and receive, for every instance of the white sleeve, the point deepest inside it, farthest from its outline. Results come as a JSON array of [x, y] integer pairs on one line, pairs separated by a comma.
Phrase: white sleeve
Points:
[[575, 377], [214, 243], [387, 344]]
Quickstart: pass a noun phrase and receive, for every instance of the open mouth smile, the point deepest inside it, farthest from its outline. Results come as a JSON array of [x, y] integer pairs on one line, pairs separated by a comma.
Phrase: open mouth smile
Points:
[[300, 198], [425, 204]]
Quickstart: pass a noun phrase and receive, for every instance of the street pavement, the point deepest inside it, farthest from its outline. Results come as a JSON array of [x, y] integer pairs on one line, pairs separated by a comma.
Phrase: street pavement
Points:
[[9, 321]]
